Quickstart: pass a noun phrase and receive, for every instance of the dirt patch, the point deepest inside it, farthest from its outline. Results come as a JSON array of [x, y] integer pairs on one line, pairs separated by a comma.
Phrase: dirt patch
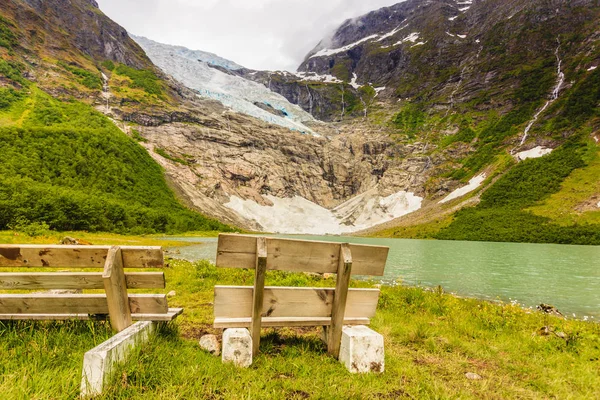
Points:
[[298, 394], [589, 205], [197, 331]]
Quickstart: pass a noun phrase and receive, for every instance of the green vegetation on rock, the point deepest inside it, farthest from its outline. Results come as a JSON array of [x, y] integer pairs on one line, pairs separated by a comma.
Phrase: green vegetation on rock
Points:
[[9, 96], [410, 120], [72, 178], [88, 79], [141, 79], [7, 37], [12, 70], [501, 214], [163, 153]]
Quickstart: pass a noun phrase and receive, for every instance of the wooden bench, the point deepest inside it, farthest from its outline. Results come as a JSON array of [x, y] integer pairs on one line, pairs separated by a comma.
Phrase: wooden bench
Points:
[[260, 306], [122, 308]]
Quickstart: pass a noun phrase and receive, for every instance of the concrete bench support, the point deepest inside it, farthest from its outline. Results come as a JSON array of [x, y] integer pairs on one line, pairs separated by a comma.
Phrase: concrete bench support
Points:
[[237, 347], [361, 350], [100, 362]]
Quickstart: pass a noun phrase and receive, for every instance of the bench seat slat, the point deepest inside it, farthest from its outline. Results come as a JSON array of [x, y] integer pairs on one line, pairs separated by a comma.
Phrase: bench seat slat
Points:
[[76, 280], [61, 256], [290, 321], [239, 251], [236, 302], [169, 316], [78, 303]]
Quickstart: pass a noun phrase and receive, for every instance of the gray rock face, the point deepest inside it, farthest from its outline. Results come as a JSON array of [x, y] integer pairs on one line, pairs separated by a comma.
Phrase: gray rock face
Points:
[[323, 101], [236, 156], [90, 31], [451, 52]]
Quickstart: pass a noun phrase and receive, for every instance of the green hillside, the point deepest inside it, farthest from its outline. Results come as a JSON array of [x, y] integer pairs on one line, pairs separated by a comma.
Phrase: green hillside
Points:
[[64, 164]]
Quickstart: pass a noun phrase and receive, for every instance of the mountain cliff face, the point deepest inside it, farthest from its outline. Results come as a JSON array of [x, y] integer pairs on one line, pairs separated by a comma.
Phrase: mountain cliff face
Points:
[[430, 108], [500, 81], [234, 167], [423, 50], [56, 27]]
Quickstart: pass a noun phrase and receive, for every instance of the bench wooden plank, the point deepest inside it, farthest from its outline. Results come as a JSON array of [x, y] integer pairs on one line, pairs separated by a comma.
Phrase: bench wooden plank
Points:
[[78, 304], [258, 292], [239, 251], [339, 300], [270, 322], [171, 314], [76, 280], [236, 302], [116, 290], [60, 256]]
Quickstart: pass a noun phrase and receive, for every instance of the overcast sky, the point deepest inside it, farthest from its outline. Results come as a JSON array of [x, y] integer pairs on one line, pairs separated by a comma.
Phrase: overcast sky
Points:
[[258, 34]]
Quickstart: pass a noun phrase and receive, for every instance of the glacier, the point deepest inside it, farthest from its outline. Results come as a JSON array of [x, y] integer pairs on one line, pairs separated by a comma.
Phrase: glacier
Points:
[[297, 215], [195, 69]]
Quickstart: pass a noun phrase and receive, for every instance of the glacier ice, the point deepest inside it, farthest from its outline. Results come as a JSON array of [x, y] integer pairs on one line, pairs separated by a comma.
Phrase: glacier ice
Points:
[[192, 68]]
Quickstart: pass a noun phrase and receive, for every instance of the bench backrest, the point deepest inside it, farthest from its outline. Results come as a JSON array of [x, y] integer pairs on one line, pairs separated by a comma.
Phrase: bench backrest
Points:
[[239, 251], [257, 306], [117, 303]]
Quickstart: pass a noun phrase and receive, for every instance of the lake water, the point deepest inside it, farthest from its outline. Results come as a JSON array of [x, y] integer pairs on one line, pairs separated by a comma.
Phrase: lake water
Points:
[[567, 277]]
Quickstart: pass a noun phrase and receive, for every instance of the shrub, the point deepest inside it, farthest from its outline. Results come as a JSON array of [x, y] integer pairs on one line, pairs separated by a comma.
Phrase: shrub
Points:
[[141, 79], [109, 65], [8, 39], [85, 77], [33, 229], [9, 96], [410, 120]]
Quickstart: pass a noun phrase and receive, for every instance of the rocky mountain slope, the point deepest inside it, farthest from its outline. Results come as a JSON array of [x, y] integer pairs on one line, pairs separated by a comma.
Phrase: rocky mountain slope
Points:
[[222, 163], [499, 81], [63, 165], [430, 106]]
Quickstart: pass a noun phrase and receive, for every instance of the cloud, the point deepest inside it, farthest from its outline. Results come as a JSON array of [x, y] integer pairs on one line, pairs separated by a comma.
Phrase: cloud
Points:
[[259, 34]]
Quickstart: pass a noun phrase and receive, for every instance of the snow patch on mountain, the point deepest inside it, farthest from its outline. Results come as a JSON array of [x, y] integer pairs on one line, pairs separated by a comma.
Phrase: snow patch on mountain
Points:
[[473, 184], [536, 152], [314, 77], [378, 90], [391, 33], [413, 37], [353, 81], [463, 6], [297, 215], [329, 52], [193, 69]]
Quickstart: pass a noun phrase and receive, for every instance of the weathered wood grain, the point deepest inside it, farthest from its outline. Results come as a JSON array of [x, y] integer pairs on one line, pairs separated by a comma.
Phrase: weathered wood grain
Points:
[[236, 302], [169, 316], [239, 251], [339, 300], [116, 290], [60, 256], [76, 280], [270, 322], [78, 304], [258, 292]]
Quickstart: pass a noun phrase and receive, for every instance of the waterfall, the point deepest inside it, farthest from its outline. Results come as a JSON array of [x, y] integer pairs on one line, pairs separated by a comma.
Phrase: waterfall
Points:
[[555, 93]]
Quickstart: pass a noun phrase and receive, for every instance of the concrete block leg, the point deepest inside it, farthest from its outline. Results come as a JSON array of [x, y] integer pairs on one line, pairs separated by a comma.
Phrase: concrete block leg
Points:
[[237, 347], [100, 362], [362, 349]]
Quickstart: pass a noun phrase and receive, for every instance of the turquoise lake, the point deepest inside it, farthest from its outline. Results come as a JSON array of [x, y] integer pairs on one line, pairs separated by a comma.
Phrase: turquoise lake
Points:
[[567, 277]]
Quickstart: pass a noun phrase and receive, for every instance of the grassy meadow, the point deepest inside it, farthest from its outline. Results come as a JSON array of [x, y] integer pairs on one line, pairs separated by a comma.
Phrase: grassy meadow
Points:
[[432, 339]]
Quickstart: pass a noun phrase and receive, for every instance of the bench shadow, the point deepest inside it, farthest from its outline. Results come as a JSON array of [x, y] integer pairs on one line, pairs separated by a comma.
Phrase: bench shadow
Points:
[[277, 341]]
